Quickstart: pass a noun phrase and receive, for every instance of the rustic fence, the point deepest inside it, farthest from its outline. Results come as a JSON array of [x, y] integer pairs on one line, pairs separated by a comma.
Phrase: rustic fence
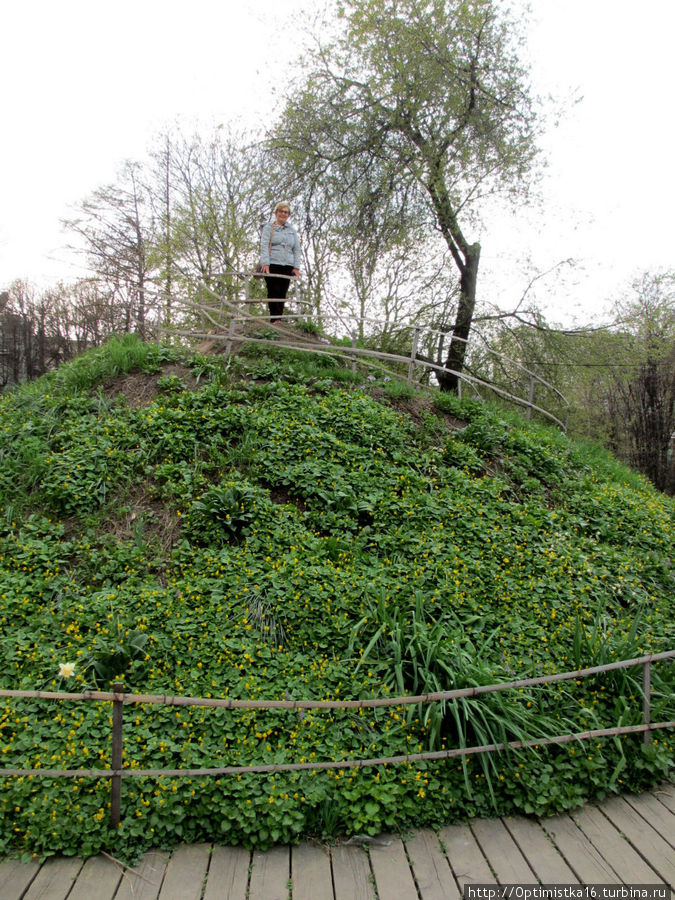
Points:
[[219, 315], [119, 698]]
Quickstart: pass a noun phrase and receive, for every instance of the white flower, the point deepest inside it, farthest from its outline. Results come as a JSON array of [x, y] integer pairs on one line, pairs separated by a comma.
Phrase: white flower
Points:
[[66, 670]]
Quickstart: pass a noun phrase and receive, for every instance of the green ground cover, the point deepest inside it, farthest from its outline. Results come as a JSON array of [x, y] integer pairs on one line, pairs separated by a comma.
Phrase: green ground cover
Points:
[[268, 529]]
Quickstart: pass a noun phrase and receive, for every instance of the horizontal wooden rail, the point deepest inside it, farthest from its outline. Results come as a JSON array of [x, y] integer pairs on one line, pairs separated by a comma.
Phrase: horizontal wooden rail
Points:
[[118, 698], [377, 354], [352, 352], [403, 327], [232, 308], [371, 703], [349, 352], [339, 764]]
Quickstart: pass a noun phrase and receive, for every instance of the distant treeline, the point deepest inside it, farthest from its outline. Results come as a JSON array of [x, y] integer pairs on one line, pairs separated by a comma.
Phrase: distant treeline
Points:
[[41, 330]]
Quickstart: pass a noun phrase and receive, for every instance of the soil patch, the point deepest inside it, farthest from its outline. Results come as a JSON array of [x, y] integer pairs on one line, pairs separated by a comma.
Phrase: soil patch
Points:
[[418, 407], [140, 388]]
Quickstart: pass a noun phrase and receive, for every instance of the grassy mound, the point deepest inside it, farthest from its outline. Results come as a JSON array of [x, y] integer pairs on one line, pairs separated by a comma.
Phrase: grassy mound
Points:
[[269, 528]]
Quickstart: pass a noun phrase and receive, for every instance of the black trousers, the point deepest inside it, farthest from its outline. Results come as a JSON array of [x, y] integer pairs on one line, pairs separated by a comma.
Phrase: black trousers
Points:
[[277, 288]]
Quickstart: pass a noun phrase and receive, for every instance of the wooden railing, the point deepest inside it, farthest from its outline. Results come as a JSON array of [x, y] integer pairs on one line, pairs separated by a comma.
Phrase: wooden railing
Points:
[[221, 315], [119, 698]]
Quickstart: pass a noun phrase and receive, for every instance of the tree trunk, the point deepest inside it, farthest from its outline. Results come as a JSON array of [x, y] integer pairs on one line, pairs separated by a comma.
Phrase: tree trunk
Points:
[[454, 363], [466, 257]]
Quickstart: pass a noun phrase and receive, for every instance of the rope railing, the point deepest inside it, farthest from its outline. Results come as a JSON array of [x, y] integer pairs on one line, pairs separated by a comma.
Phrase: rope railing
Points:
[[119, 698], [231, 312]]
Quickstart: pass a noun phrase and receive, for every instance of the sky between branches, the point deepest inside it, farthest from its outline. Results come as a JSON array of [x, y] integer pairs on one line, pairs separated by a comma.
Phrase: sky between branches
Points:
[[87, 85]]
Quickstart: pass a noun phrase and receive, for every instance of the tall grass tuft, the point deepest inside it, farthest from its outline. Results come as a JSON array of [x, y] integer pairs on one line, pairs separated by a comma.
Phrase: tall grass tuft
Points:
[[429, 656]]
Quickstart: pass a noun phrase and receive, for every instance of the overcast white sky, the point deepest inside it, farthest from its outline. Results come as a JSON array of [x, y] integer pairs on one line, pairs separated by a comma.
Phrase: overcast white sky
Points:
[[87, 83]]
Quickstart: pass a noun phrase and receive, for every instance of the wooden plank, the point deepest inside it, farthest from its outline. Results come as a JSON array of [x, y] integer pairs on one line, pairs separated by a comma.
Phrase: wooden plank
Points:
[[502, 852], [55, 879], [665, 793], [270, 874], [393, 877], [466, 859], [311, 872], [352, 878], [15, 877], [430, 867], [581, 856], [98, 877], [228, 874], [647, 842], [613, 848], [185, 872], [144, 882], [542, 855], [661, 819]]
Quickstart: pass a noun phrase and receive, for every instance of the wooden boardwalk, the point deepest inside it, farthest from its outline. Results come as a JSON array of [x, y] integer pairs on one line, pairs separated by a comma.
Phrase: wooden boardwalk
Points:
[[627, 840]]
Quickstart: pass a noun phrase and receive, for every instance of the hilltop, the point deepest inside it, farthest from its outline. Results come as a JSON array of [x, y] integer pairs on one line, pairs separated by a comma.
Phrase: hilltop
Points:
[[278, 525]]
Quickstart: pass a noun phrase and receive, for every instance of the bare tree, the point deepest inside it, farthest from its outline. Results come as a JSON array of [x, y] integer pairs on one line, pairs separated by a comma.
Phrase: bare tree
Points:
[[641, 398], [619, 377], [207, 197], [117, 229]]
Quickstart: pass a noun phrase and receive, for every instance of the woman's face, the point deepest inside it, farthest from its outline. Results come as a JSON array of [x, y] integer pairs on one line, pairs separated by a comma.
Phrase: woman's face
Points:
[[282, 215]]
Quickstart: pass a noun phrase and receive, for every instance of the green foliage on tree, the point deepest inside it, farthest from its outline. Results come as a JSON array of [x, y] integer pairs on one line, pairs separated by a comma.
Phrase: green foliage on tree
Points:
[[422, 100], [619, 379], [208, 196], [639, 395]]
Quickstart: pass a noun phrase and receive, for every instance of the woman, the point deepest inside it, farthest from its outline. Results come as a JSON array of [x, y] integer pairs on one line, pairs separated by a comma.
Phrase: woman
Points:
[[279, 255]]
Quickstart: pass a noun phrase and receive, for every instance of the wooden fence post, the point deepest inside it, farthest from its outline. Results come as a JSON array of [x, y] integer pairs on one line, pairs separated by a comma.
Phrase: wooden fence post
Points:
[[234, 314], [116, 780], [354, 355], [646, 699], [413, 354]]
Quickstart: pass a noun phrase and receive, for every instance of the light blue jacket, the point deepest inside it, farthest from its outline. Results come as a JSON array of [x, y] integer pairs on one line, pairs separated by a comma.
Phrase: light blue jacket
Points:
[[285, 249]]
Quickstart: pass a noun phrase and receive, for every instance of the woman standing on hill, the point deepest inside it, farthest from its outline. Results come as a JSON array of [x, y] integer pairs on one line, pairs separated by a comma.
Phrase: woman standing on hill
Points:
[[279, 255]]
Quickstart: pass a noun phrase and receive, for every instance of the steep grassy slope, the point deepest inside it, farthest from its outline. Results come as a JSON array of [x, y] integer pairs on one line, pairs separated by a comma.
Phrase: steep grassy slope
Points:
[[270, 529]]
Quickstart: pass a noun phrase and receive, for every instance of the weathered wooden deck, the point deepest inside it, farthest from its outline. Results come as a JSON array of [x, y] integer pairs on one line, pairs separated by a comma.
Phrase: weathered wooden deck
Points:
[[624, 841]]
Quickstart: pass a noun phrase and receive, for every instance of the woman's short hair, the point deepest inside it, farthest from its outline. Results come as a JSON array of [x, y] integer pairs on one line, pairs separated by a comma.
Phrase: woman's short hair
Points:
[[282, 204]]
